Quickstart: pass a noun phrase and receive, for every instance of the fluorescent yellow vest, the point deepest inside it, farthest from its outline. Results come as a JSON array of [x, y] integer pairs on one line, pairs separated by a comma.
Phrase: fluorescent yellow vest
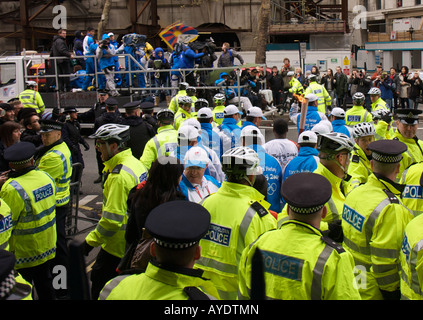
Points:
[[31, 198], [299, 265], [162, 144], [123, 172], [373, 230]]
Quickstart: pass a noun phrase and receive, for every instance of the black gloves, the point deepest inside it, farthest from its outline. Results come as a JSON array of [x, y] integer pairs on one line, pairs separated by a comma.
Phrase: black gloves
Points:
[[87, 248], [86, 145], [387, 118], [335, 231]]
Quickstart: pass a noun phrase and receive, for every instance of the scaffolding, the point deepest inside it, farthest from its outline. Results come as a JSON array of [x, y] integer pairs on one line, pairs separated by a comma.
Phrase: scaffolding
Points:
[[308, 16]]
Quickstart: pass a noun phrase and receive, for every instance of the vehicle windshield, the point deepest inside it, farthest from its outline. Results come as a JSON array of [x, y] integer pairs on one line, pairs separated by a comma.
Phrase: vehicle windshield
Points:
[[7, 74]]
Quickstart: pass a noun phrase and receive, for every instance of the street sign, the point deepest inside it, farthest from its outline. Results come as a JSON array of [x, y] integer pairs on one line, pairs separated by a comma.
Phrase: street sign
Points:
[[303, 49]]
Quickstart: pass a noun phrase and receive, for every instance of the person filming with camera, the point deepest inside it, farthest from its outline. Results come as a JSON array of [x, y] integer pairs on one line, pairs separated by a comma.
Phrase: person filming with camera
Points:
[[105, 53]]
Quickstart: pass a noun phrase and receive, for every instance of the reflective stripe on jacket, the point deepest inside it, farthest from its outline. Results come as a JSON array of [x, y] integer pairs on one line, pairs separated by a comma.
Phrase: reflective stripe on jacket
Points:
[[31, 198], [299, 265]]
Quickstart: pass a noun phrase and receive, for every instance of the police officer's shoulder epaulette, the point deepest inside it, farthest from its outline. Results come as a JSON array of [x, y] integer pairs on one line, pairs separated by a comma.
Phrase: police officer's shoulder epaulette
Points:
[[117, 168], [355, 158], [392, 198], [261, 211], [183, 115], [333, 244]]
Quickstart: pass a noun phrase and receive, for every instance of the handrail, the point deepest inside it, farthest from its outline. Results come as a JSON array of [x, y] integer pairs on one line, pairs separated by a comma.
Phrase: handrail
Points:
[[145, 72]]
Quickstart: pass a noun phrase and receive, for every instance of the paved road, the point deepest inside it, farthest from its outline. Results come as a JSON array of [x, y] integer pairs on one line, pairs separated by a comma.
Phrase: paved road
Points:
[[90, 201]]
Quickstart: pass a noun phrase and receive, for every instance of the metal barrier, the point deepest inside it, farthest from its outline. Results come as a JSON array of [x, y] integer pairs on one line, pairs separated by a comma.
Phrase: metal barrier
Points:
[[145, 72], [73, 217]]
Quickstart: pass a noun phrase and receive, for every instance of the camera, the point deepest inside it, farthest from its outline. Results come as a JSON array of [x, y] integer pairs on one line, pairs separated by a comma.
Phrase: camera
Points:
[[104, 44]]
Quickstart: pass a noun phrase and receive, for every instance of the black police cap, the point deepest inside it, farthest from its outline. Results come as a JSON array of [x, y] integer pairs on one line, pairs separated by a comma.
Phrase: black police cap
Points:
[[387, 151], [178, 224], [147, 105], [70, 109], [49, 125], [111, 101], [306, 192], [132, 105], [19, 153], [408, 116]]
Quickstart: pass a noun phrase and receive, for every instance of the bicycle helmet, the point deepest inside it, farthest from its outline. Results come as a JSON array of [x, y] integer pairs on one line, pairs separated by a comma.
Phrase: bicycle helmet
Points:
[[191, 91], [374, 91], [165, 114], [201, 103], [184, 100], [240, 161], [219, 98], [112, 131], [334, 142], [364, 129], [30, 84], [358, 99], [183, 85], [379, 113]]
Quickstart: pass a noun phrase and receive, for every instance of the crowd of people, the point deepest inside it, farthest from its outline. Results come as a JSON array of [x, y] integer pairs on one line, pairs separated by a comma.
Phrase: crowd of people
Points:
[[196, 199]]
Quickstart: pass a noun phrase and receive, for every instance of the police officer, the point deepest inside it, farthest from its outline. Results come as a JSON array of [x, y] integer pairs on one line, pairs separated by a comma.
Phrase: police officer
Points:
[[377, 102], [334, 154], [239, 214], [177, 228], [219, 100], [122, 171], [147, 114], [31, 196], [31, 98], [299, 262], [71, 134], [295, 86], [411, 260], [184, 111], [412, 178], [164, 142], [323, 97], [174, 102], [5, 223], [373, 229], [12, 285], [357, 113], [407, 123], [382, 118], [359, 168], [55, 159], [139, 130]]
